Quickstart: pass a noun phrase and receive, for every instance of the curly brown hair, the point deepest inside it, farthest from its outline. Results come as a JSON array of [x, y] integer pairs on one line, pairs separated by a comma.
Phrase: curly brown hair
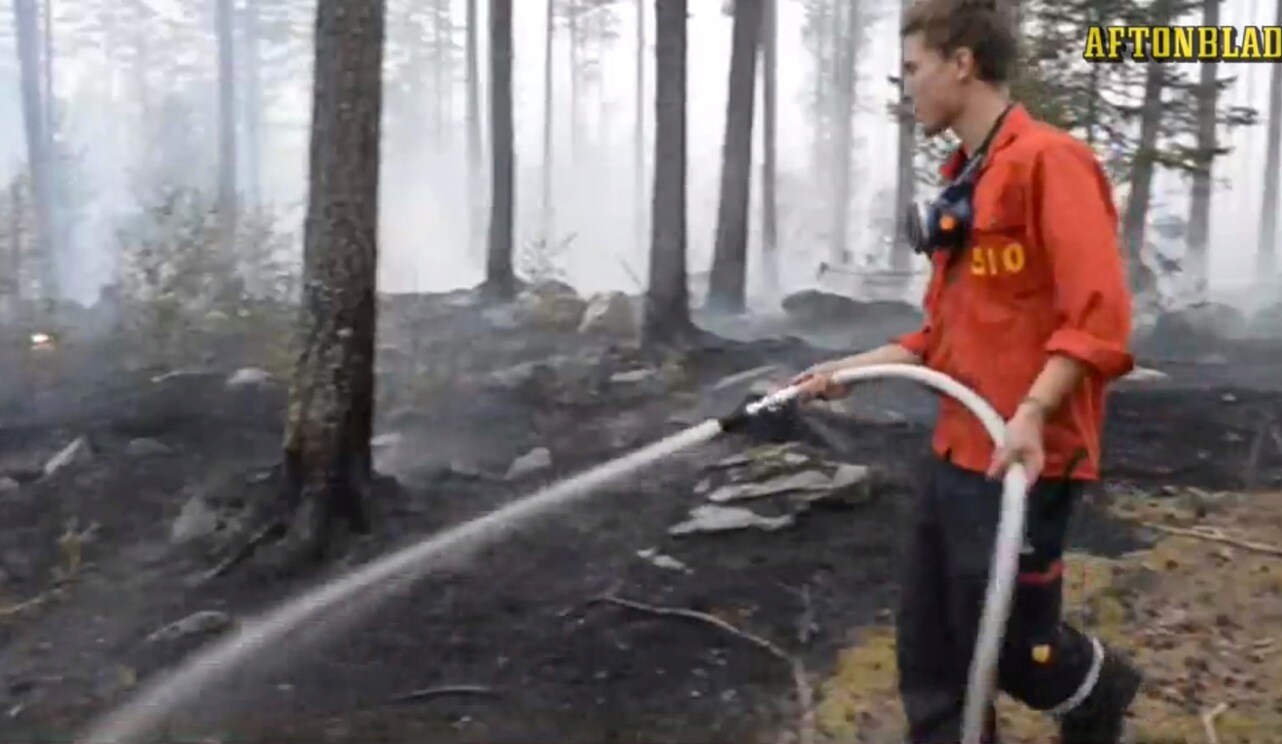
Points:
[[985, 27]]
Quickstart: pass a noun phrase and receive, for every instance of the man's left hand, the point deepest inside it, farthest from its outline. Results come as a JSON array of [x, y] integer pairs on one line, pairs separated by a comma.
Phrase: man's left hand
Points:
[[1023, 444]]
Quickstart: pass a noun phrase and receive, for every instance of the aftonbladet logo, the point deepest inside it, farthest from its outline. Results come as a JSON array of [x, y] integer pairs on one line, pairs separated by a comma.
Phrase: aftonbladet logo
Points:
[[1184, 43]]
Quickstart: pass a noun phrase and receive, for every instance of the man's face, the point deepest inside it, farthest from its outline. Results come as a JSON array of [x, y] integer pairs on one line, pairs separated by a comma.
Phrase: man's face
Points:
[[934, 83]]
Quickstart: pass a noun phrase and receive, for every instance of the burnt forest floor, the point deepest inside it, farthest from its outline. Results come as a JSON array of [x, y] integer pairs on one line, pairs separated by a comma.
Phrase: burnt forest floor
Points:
[[514, 644]]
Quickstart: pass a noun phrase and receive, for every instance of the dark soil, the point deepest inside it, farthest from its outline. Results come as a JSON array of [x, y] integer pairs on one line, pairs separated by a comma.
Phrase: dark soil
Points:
[[519, 619]]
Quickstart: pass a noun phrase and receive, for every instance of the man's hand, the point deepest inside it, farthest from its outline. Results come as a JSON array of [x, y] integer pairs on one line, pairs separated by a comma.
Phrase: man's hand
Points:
[[1024, 443], [817, 383]]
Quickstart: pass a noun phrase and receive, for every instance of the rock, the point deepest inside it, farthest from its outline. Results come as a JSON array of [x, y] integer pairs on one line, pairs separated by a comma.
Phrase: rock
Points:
[[502, 317], [519, 375], [711, 518], [851, 485], [17, 563], [144, 447], [531, 462], [660, 560], [806, 480], [7, 484], [179, 375], [634, 376], [248, 376], [1267, 321], [745, 382], [1144, 374], [196, 521], [813, 307], [1197, 326], [551, 305], [610, 313], [76, 453], [199, 623]]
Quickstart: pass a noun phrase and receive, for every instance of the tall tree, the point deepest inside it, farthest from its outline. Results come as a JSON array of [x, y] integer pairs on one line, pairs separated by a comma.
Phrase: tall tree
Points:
[[26, 23], [252, 104], [331, 396], [51, 106], [227, 184], [667, 306], [1266, 257], [1200, 207], [1143, 164], [500, 281], [549, 34], [845, 100], [901, 250], [475, 180], [769, 122], [730, 253], [638, 130]]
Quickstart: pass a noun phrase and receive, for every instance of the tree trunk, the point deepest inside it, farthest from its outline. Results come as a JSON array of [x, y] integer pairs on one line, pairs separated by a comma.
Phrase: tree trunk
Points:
[[1135, 221], [27, 29], [769, 115], [1200, 209], [227, 206], [819, 142], [667, 306], [252, 106], [438, 10], [901, 252], [638, 135], [1266, 258], [549, 29], [331, 397], [51, 104], [446, 103], [839, 247], [475, 180], [730, 253], [576, 41], [500, 282]]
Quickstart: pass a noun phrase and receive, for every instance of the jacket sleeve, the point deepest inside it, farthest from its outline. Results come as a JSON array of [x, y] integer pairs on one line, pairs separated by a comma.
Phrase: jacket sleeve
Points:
[[1079, 233], [919, 341]]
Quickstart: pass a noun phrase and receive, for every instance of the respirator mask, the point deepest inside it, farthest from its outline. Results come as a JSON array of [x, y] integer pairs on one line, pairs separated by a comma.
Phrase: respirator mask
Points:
[[951, 216]]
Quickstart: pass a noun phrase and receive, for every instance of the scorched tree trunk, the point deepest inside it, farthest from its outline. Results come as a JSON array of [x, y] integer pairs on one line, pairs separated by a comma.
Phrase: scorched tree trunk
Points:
[[331, 398]]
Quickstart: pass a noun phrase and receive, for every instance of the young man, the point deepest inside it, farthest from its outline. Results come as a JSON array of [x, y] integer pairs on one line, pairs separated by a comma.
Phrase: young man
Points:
[[1032, 311]]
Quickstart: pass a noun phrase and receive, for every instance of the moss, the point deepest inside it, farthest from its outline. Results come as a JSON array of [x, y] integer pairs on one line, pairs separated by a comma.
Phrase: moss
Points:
[[863, 681]]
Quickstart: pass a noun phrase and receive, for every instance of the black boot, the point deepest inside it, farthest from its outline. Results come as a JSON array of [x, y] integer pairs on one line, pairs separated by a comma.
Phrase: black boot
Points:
[[1101, 717]]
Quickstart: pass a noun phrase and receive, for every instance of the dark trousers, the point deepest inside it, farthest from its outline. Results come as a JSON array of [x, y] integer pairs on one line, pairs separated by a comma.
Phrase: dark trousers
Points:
[[1044, 663]]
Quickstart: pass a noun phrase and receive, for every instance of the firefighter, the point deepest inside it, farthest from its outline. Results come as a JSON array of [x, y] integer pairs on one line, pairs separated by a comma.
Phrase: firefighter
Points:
[[1028, 305]]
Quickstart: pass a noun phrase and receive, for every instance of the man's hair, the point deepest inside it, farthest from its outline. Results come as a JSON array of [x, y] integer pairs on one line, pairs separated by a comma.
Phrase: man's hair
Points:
[[985, 27]]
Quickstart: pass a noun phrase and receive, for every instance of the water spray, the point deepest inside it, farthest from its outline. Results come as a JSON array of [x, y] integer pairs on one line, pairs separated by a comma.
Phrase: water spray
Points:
[[377, 580]]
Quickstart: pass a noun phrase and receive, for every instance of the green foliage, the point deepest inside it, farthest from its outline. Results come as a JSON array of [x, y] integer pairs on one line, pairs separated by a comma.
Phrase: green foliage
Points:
[[1102, 102], [177, 286]]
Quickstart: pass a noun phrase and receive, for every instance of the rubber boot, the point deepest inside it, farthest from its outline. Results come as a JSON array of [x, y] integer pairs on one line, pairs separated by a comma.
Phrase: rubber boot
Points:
[[1101, 718]]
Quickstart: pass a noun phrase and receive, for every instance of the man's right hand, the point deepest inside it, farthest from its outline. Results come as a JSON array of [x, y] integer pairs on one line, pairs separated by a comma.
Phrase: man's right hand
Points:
[[817, 383]]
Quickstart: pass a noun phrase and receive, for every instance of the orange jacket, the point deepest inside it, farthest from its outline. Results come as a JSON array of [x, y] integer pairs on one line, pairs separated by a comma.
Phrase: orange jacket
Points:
[[1043, 275]]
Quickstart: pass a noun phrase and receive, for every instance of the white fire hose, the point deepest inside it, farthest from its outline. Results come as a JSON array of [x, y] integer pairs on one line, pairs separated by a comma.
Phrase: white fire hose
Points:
[[1010, 530]]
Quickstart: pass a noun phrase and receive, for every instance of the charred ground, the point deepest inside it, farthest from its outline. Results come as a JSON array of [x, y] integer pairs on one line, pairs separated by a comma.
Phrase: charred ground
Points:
[[515, 645]]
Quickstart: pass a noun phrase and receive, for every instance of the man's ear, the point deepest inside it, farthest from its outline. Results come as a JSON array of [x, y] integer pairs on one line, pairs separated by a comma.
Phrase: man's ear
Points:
[[964, 63]]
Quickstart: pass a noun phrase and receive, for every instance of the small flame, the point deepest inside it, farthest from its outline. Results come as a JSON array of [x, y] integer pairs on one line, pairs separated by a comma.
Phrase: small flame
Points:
[[41, 339]]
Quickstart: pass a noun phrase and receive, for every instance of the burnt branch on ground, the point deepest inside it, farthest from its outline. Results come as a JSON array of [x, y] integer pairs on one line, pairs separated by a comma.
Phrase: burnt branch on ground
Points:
[[805, 694]]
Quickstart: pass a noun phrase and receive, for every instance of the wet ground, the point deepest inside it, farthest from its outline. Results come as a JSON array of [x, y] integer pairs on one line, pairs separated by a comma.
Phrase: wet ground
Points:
[[515, 645]]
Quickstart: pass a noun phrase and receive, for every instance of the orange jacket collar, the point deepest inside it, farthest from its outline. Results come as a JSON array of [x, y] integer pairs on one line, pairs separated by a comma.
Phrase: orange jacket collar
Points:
[[1016, 121]]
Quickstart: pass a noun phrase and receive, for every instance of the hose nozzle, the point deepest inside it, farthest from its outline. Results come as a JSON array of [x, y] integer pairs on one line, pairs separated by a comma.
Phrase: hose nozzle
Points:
[[771, 416]]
